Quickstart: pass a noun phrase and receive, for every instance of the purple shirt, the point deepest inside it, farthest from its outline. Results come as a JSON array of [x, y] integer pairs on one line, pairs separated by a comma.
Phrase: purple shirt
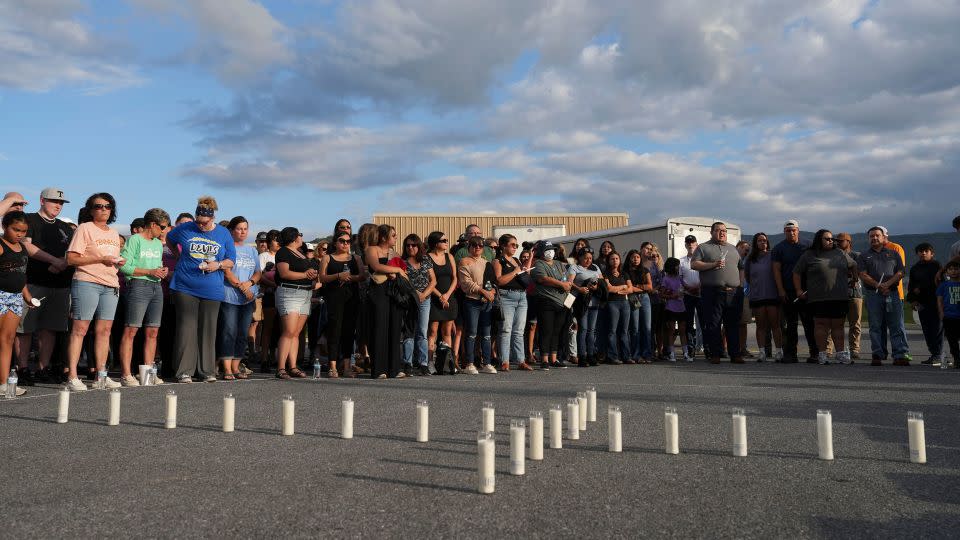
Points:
[[675, 285]]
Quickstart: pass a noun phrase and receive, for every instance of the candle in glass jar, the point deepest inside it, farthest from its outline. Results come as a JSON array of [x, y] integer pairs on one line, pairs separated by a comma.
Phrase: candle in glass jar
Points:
[[917, 437], [536, 435], [556, 426], [573, 419], [582, 411], [591, 404], [171, 400], [824, 435], [346, 418], [229, 409], [288, 412], [113, 418], [671, 430], [423, 420], [486, 451], [615, 444], [487, 417], [739, 432], [518, 442], [63, 407]]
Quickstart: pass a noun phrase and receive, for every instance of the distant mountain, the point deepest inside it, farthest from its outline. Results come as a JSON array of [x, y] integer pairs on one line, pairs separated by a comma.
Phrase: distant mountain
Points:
[[940, 241]]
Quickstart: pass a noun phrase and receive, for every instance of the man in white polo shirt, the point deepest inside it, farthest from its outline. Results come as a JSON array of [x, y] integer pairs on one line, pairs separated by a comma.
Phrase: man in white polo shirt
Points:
[[691, 297]]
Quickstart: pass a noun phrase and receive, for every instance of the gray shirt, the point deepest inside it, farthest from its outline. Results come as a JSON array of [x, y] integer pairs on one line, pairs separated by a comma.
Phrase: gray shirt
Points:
[[556, 271], [877, 264], [827, 274], [760, 277], [713, 251]]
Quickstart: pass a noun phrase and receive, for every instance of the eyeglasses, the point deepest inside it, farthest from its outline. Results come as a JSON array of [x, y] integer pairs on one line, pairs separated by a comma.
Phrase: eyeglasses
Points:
[[100, 206]]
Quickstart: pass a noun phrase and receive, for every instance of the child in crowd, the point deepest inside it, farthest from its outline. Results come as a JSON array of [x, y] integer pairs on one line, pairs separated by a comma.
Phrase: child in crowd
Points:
[[948, 303], [671, 291], [14, 295]]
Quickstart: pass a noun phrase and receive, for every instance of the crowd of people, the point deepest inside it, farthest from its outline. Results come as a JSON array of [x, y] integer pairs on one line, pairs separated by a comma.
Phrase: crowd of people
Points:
[[192, 295]]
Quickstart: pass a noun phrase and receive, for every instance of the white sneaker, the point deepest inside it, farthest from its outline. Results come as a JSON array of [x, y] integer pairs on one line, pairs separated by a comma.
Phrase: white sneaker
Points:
[[822, 359], [488, 368], [3, 390], [687, 357], [778, 355], [471, 370], [842, 357], [129, 380], [762, 355], [158, 381], [110, 383], [672, 357], [75, 385]]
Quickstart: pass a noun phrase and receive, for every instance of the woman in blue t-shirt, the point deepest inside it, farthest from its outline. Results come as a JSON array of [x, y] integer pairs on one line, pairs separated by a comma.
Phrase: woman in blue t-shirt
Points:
[[203, 250], [239, 292]]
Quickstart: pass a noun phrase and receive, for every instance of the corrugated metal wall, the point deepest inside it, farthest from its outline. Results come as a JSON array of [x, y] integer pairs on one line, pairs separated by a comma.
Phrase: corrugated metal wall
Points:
[[454, 224]]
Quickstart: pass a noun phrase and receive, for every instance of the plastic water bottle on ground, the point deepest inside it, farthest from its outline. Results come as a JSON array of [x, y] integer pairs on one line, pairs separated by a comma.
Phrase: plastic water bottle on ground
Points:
[[316, 369], [12, 381], [101, 379]]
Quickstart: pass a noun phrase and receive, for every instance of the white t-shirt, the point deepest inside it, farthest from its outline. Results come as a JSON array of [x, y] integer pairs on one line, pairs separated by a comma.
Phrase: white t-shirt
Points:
[[955, 250], [690, 277]]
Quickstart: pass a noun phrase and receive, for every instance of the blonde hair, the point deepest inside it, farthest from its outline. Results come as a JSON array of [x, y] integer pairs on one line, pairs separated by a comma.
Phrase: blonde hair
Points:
[[659, 258], [208, 201]]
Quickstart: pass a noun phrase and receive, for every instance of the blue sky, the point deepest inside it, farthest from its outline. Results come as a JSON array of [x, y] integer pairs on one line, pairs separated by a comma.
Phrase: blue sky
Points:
[[841, 114]]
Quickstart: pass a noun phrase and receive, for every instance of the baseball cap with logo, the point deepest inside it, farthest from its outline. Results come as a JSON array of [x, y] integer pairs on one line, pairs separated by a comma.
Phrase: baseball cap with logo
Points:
[[53, 194], [690, 239], [261, 237], [791, 224]]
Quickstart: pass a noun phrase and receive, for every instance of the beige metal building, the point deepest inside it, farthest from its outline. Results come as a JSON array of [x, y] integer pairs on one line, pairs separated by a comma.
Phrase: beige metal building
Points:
[[454, 224]]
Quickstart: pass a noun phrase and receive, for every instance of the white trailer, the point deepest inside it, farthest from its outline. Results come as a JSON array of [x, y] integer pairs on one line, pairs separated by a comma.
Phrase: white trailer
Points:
[[530, 233], [668, 236]]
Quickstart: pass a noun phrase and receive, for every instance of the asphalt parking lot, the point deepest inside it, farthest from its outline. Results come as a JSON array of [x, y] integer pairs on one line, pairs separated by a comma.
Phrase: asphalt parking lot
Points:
[[87, 479]]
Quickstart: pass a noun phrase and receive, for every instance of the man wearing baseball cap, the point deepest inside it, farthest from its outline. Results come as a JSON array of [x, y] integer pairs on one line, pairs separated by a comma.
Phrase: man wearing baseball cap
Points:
[[691, 297], [854, 314], [785, 256], [49, 282]]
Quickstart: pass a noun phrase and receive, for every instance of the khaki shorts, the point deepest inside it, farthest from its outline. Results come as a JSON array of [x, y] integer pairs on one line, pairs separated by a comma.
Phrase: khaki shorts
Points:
[[258, 310], [746, 314], [52, 314]]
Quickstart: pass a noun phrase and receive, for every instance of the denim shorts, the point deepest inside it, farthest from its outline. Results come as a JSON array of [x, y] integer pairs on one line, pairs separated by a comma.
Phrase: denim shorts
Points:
[[92, 300], [290, 301], [144, 303]]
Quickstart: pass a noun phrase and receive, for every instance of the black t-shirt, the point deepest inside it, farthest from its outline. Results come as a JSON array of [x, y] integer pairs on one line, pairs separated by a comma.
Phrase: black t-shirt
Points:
[[616, 281], [13, 268], [297, 264], [54, 238]]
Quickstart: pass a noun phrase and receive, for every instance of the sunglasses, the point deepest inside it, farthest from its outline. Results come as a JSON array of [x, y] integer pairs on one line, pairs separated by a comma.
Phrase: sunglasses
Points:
[[100, 206], [476, 246], [343, 241], [443, 241], [513, 244], [411, 246], [830, 240]]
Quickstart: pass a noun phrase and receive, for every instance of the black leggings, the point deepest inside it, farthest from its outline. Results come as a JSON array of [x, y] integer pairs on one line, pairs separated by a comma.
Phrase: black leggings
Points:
[[951, 327], [550, 322], [341, 322]]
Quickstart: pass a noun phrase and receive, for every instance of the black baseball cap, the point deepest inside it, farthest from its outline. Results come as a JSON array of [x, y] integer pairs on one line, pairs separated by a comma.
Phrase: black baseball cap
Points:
[[261, 236], [690, 239]]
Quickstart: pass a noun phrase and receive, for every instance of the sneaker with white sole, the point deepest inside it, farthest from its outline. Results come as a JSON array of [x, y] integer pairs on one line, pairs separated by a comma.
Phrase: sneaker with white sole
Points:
[[185, 379], [488, 368], [158, 381], [778, 355], [842, 357], [129, 380], [687, 357], [75, 385], [110, 383], [210, 378], [471, 370], [672, 357], [3, 390], [822, 358]]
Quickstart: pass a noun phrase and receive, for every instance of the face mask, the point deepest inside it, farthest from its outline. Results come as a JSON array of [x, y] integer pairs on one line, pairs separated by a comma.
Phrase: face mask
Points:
[[548, 254]]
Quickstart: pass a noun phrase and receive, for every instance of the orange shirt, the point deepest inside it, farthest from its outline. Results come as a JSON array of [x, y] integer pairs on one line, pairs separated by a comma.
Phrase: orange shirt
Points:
[[903, 257], [92, 241]]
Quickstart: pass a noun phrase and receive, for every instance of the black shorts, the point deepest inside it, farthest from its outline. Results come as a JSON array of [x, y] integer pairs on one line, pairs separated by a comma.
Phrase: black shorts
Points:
[[829, 309], [767, 302], [674, 316]]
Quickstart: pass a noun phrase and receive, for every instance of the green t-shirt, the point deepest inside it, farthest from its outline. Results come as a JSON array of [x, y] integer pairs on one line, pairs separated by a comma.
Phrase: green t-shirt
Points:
[[141, 253]]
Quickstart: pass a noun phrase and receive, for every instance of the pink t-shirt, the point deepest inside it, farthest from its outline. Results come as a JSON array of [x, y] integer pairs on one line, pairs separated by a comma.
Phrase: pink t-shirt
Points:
[[92, 241]]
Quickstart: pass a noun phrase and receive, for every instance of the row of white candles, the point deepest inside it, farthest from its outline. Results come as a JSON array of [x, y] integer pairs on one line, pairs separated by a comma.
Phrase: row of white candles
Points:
[[580, 410]]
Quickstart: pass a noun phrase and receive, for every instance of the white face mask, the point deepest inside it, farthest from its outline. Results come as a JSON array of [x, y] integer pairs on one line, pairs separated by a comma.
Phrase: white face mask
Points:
[[548, 255]]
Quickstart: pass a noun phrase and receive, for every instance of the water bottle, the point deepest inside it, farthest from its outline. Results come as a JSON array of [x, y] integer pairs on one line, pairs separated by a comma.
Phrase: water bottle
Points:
[[101, 379], [12, 384], [944, 363], [316, 369], [152, 377]]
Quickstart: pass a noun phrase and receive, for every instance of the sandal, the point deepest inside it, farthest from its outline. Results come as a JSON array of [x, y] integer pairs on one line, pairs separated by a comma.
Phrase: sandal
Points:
[[296, 372], [282, 374], [332, 374], [241, 375], [229, 377]]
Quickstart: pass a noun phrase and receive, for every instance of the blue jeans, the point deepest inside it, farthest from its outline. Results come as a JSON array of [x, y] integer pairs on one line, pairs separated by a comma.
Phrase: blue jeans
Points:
[[618, 315], [476, 321], [587, 333], [232, 326], [722, 307], [423, 324], [641, 321], [513, 303], [885, 318]]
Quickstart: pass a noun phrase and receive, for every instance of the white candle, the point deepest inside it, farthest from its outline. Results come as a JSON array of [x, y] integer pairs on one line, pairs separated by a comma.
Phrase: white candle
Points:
[[346, 418], [616, 429], [144, 374], [556, 426], [518, 446], [423, 420], [918, 443], [591, 404], [536, 435], [739, 430], [825, 434], [487, 417], [582, 412], [486, 471], [288, 411], [671, 430], [113, 418], [63, 408], [229, 408], [573, 419], [171, 410]]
